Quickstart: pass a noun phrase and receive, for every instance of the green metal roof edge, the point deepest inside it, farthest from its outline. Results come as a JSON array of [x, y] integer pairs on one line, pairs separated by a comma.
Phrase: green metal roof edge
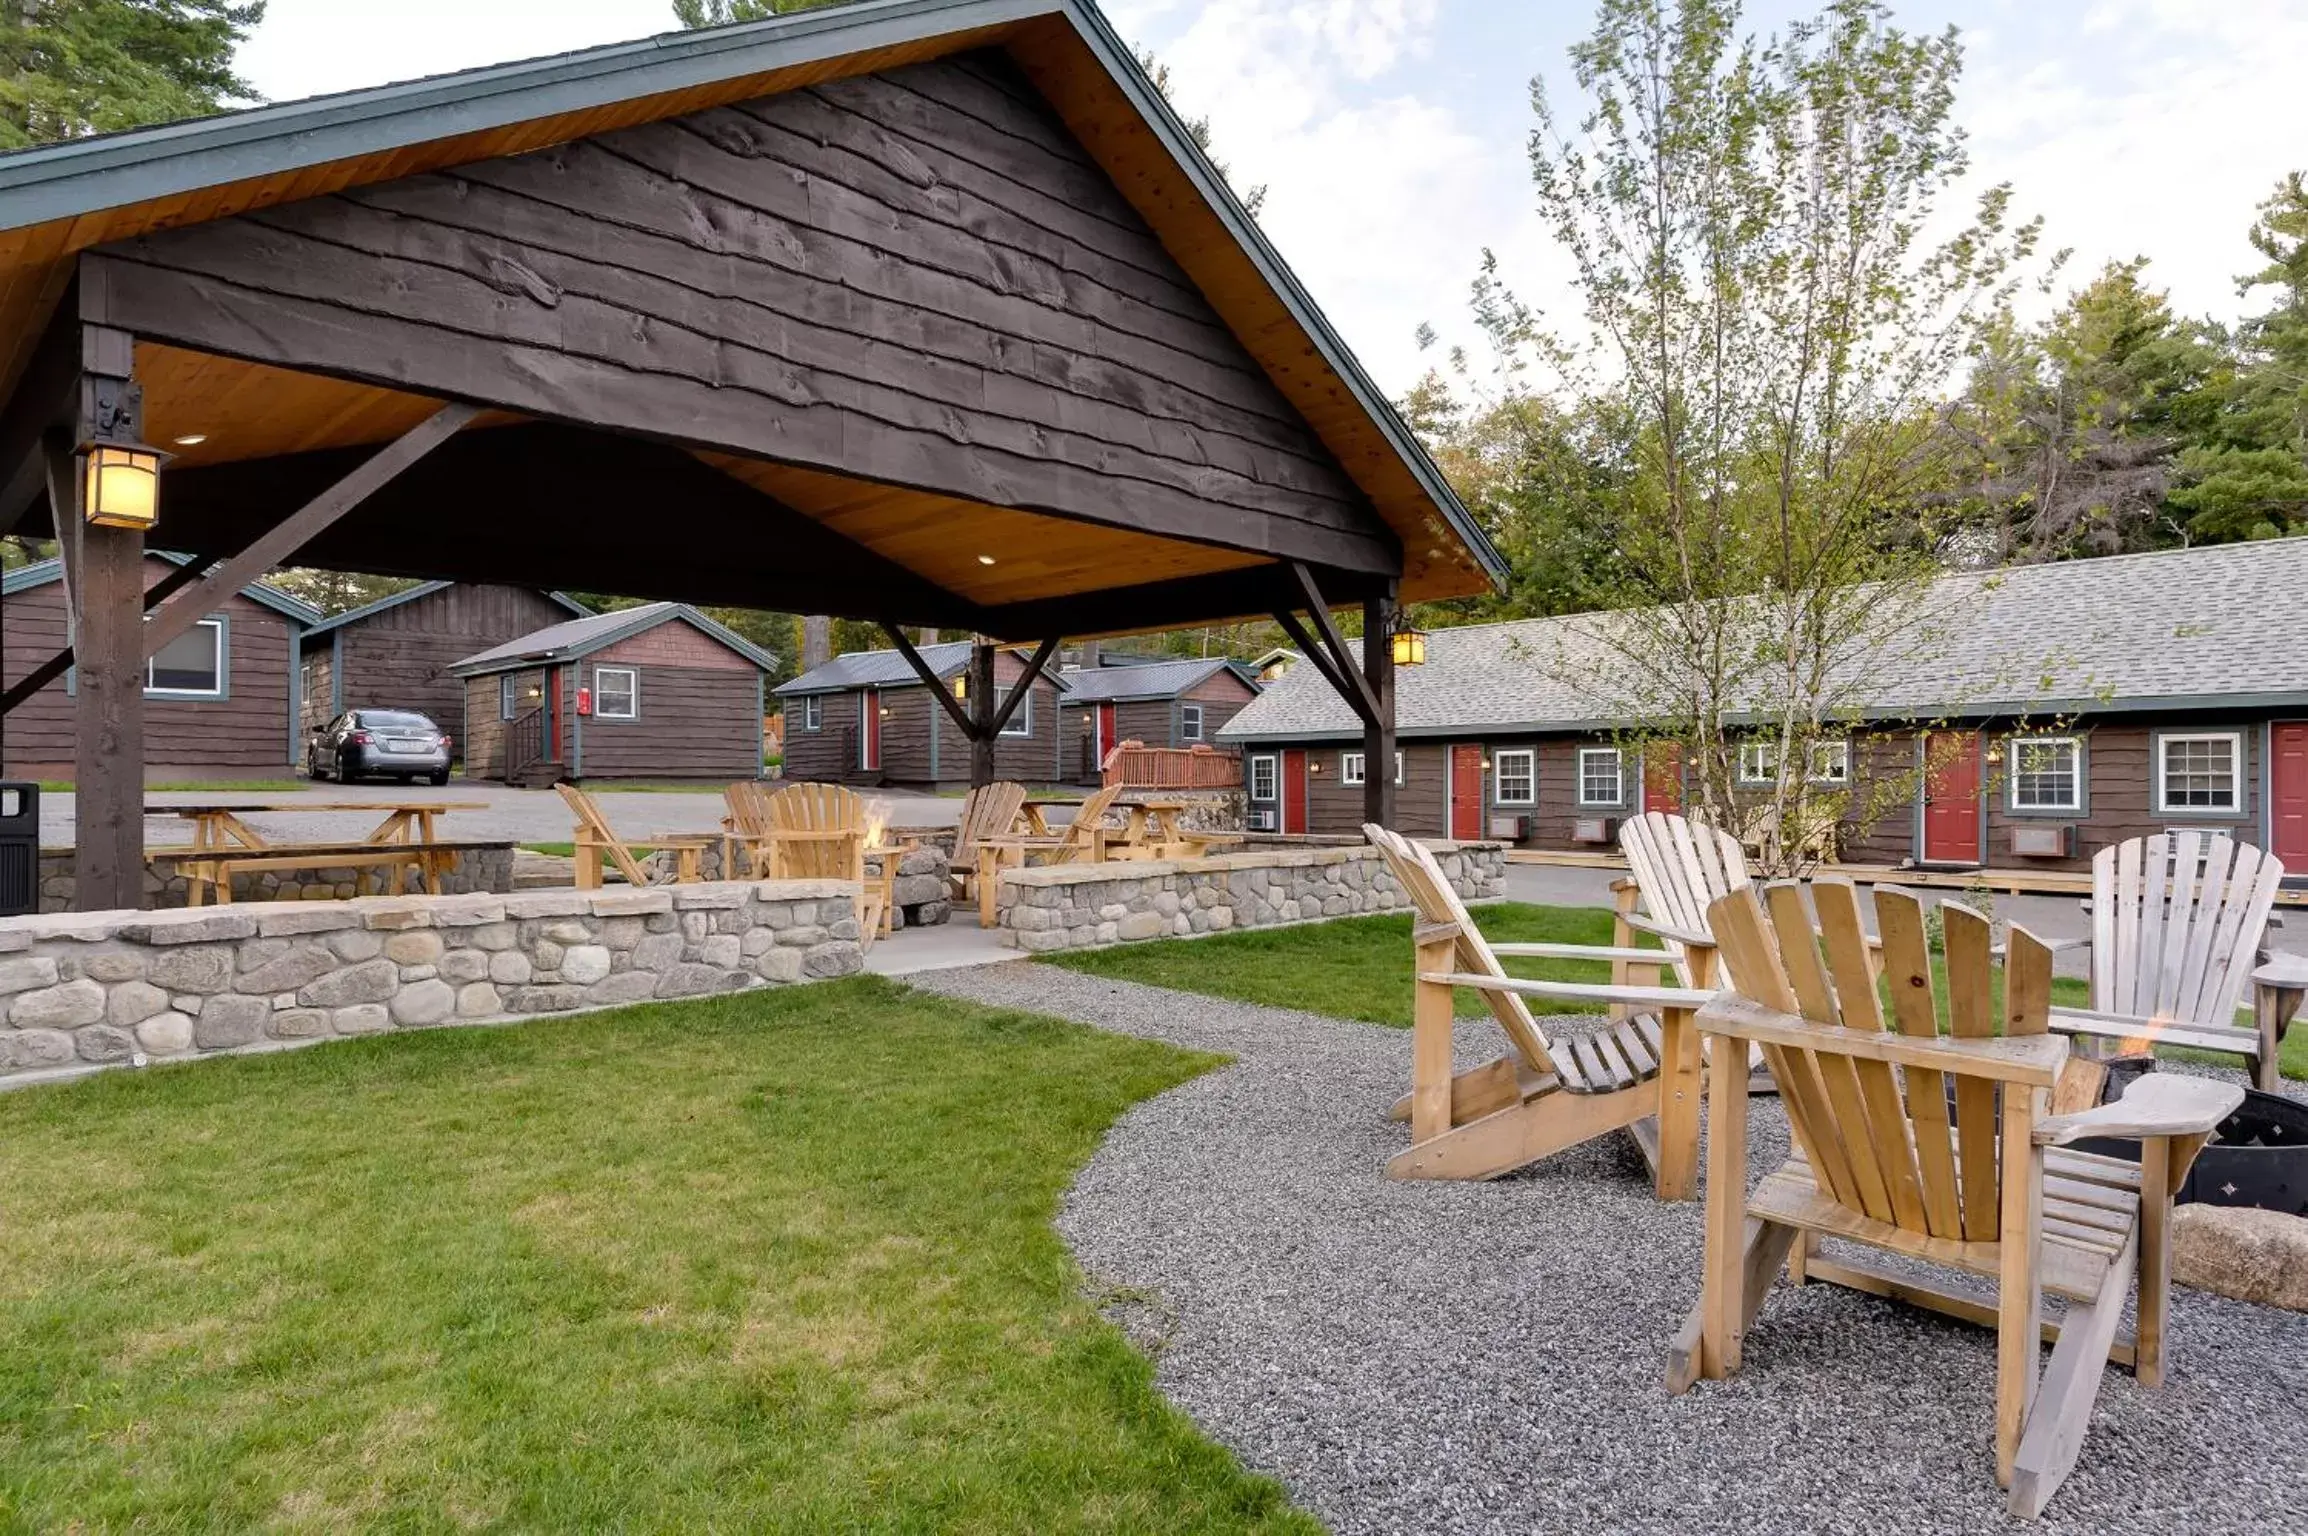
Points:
[[84, 175], [41, 572], [577, 610]]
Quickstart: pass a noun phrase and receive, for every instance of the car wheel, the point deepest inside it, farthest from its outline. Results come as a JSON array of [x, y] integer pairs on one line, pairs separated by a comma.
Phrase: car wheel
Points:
[[348, 767], [438, 780]]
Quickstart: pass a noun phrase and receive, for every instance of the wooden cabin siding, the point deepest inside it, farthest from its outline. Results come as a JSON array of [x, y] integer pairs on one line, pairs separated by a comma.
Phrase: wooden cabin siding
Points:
[[918, 276], [1222, 695], [830, 751], [484, 723], [245, 733], [1334, 808], [399, 658], [1033, 759], [693, 723]]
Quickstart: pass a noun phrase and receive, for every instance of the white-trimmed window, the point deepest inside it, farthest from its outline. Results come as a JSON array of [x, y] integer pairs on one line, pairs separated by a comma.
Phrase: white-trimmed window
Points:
[[813, 712], [1262, 776], [1759, 762], [2047, 773], [508, 695], [1831, 762], [616, 693], [1515, 777], [2200, 771], [1599, 778], [1189, 722], [191, 666], [1350, 768], [1021, 723]]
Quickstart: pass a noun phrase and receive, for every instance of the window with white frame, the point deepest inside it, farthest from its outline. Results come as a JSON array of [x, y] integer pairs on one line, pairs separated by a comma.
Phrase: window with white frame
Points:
[[813, 712], [1350, 767], [1021, 723], [1398, 770], [1262, 776], [616, 693], [1599, 782], [1758, 762], [191, 665], [1831, 762], [2200, 772], [1515, 777], [508, 696], [1189, 722], [2047, 773]]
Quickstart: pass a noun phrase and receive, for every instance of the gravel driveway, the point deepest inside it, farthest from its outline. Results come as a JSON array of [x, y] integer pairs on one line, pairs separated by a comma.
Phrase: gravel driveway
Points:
[[1486, 1357]]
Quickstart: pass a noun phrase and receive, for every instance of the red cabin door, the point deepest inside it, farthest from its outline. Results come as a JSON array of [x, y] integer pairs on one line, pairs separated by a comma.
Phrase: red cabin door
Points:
[[1106, 739], [1294, 791], [1951, 830], [869, 757], [2288, 794], [1466, 816], [1663, 778]]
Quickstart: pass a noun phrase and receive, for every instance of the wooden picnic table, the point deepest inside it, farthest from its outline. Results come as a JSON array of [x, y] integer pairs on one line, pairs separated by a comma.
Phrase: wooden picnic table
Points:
[[1156, 829], [1031, 814], [406, 839]]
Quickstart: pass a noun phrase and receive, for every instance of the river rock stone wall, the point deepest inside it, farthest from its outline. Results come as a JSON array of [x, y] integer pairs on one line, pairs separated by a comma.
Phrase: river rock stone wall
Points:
[[95, 989], [478, 867], [1073, 906]]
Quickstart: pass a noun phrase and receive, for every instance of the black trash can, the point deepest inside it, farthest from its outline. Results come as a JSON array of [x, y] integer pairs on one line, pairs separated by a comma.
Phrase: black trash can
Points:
[[19, 848]]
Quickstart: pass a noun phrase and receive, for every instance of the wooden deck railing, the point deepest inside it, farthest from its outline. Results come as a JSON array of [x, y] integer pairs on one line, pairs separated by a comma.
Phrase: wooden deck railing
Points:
[[524, 744], [1134, 765]]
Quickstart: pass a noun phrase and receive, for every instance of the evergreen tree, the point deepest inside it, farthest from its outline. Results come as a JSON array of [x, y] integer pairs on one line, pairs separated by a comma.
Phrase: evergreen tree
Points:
[[69, 68], [720, 13]]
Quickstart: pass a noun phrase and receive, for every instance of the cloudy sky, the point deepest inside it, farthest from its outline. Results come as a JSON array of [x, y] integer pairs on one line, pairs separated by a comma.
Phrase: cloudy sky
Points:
[[1390, 133]]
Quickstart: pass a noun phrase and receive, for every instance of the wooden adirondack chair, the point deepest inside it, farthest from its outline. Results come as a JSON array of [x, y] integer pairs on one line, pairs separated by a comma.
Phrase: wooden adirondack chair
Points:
[[1676, 867], [593, 840], [1639, 1075], [992, 810], [818, 832], [1083, 840], [744, 828], [1990, 1195], [2178, 920]]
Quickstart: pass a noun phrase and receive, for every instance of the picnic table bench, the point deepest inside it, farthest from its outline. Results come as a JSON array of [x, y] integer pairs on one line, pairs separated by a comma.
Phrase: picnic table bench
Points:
[[403, 847]]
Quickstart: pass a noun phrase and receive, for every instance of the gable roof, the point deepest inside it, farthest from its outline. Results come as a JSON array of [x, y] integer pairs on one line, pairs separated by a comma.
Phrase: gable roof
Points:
[[579, 637], [63, 198], [1149, 679], [889, 669], [426, 589], [2217, 627], [41, 572]]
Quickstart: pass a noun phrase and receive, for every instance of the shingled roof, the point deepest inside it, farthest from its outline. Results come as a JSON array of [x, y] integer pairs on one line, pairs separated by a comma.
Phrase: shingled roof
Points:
[[573, 638], [1149, 680], [888, 669], [2217, 627]]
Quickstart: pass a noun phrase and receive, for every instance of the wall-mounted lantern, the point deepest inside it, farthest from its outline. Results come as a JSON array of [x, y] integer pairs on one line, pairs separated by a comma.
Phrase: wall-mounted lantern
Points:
[[1410, 646], [123, 489]]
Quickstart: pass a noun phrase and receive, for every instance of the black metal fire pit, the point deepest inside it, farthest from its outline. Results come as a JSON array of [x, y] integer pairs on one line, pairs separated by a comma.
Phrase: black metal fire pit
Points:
[[2259, 1159]]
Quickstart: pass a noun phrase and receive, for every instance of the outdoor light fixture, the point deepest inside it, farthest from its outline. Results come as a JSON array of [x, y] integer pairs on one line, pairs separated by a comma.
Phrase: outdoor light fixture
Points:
[[961, 685], [191, 440], [1994, 755], [985, 559], [1410, 646], [123, 485]]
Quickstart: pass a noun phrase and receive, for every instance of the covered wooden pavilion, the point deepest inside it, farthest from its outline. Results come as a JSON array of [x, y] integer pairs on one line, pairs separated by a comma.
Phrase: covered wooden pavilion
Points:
[[921, 311]]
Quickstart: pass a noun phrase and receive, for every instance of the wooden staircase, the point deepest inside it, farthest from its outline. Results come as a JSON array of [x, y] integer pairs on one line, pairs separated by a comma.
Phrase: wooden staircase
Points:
[[527, 764]]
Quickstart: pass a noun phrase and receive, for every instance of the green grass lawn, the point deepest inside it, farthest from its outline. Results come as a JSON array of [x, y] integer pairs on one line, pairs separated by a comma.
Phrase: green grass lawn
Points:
[[1359, 967], [774, 1262], [557, 850]]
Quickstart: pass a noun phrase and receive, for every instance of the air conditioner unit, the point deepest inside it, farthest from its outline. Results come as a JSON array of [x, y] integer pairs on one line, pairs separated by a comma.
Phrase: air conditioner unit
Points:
[[2055, 840], [1510, 829], [1263, 818], [1594, 829]]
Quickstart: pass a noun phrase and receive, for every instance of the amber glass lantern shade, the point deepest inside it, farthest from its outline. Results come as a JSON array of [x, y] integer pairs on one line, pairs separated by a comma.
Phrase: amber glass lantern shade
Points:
[[123, 488], [1409, 647]]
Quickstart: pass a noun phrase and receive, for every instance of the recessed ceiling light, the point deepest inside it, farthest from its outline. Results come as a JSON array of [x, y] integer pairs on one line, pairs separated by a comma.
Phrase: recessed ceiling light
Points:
[[985, 559], [192, 440]]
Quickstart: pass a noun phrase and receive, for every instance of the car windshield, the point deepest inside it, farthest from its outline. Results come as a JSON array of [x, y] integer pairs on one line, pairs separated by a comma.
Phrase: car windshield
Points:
[[396, 720]]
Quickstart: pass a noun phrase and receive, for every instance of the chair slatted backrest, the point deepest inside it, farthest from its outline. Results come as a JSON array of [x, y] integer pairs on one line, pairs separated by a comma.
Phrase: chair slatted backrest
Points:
[[1896, 1157], [748, 806], [1076, 845], [992, 810], [1682, 867], [2177, 920], [594, 828], [820, 808], [1422, 879]]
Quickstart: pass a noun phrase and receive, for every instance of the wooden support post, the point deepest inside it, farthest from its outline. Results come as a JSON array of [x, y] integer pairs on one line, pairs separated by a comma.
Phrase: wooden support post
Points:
[[1722, 1283], [2155, 1259], [982, 738], [1430, 1071], [1378, 732], [107, 617], [1680, 1091]]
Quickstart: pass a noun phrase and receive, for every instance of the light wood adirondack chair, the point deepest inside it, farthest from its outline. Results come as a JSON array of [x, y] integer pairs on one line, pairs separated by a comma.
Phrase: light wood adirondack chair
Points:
[[1990, 1195], [992, 810], [2178, 921], [1676, 867], [593, 840], [1082, 841], [744, 828], [1639, 1075], [818, 832]]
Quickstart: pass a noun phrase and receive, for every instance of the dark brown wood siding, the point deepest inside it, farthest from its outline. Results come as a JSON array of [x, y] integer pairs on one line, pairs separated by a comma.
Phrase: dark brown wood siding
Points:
[[245, 733], [399, 658], [484, 722], [1222, 696], [694, 723], [919, 276], [829, 752]]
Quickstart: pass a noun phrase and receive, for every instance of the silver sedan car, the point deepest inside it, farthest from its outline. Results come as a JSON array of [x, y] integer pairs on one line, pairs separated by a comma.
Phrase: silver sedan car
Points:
[[379, 743]]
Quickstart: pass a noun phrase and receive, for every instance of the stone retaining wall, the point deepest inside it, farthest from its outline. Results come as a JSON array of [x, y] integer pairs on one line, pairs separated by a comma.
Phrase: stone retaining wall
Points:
[[478, 867], [92, 989], [1071, 906]]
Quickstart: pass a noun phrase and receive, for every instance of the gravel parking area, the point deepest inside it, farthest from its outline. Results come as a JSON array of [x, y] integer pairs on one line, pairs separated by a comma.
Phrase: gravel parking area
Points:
[[1437, 1357]]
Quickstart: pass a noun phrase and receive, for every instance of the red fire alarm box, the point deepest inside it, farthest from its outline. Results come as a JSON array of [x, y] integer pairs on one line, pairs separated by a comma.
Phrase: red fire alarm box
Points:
[[584, 702]]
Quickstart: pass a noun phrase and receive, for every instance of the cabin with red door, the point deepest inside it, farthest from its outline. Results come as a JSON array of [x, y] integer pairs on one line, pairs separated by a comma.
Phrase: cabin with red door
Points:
[[658, 691], [866, 718], [2071, 706], [1163, 701]]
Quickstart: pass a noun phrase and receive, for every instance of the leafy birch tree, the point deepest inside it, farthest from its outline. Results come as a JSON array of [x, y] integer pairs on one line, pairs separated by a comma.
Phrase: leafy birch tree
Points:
[[1778, 290]]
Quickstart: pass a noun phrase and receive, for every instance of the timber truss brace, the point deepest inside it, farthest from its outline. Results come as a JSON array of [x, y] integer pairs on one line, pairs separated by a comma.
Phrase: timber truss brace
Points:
[[982, 723]]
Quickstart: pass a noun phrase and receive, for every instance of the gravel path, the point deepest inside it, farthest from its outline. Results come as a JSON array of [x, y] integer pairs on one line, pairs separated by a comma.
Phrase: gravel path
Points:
[[1486, 1357]]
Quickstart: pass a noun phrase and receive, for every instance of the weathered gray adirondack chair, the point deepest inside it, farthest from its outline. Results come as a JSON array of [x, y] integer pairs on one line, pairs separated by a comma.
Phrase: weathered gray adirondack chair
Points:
[[2178, 924], [1991, 1194]]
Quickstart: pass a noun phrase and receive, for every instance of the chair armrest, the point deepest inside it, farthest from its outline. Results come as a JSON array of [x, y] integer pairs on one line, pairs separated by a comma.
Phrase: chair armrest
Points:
[[2157, 1104], [1685, 936], [1625, 883], [2285, 971], [1583, 952], [1574, 991], [2061, 946]]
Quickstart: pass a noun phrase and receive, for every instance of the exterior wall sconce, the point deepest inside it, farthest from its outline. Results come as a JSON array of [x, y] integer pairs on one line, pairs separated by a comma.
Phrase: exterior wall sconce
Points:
[[1410, 647], [962, 685], [1314, 768], [123, 489], [1995, 755]]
